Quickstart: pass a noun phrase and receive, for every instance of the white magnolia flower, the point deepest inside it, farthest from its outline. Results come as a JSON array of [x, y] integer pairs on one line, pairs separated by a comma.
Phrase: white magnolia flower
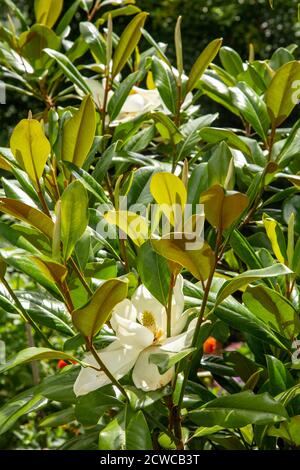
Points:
[[140, 325], [139, 102]]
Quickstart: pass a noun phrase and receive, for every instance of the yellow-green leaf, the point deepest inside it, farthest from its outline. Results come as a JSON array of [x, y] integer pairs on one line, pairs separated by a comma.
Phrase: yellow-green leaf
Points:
[[167, 128], [28, 214], [128, 42], [203, 61], [91, 318], [74, 216], [35, 354], [170, 193], [30, 148], [198, 262], [242, 280], [47, 11], [222, 209], [79, 133], [4, 164], [282, 94], [55, 272], [134, 225], [276, 238]]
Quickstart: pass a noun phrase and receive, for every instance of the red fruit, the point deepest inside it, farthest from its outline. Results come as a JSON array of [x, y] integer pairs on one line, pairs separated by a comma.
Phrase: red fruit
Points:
[[61, 364], [210, 345]]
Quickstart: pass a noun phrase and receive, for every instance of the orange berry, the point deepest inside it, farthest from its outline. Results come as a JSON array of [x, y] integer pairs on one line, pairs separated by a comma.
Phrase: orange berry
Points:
[[210, 345], [61, 364]]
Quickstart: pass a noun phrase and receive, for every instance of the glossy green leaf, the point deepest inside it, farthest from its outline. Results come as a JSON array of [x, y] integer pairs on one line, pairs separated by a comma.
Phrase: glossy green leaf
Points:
[[128, 41], [67, 17], [134, 225], [59, 418], [79, 133], [30, 147], [28, 214], [69, 69], [165, 83], [35, 354], [215, 135], [288, 431], [19, 406], [222, 210], [247, 277], [239, 410], [167, 128], [231, 61], [198, 262], [169, 192], [93, 38], [129, 430], [90, 318], [28, 266], [91, 407], [234, 314], [138, 435], [279, 377], [282, 94], [273, 309], [89, 182], [276, 237], [154, 272], [74, 216], [203, 61], [165, 361], [252, 107], [47, 11]]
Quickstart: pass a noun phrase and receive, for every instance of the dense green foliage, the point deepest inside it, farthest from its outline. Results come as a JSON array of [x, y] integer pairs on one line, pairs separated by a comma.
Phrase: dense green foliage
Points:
[[126, 328]]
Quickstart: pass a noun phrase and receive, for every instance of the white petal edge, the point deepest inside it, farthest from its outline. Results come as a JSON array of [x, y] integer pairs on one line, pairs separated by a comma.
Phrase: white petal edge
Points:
[[146, 376], [118, 359]]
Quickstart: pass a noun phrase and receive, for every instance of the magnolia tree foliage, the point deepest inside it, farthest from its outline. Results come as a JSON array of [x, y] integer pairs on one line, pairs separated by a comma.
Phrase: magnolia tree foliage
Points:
[[157, 254]]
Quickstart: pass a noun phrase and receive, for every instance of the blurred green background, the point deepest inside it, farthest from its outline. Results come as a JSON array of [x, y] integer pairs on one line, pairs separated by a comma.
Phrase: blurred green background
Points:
[[239, 22]]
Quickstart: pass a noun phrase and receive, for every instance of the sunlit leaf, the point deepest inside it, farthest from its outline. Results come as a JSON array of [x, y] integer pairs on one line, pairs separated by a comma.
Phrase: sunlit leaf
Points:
[[222, 209], [30, 147], [28, 214], [79, 133], [283, 92], [128, 42], [74, 216], [90, 318], [47, 11]]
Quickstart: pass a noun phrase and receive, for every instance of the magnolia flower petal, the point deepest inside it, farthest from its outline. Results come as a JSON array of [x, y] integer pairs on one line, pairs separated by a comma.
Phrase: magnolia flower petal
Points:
[[145, 302], [131, 333], [151, 97], [124, 309], [134, 104], [146, 376], [180, 342], [118, 359], [178, 319]]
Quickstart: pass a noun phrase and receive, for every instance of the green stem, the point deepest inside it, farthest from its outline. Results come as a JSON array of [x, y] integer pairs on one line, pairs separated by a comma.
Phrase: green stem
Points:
[[42, 198], [160, 426], [81, 277], [67, 296], [103, 367], [200, 321], [105, 100], [94, 10]]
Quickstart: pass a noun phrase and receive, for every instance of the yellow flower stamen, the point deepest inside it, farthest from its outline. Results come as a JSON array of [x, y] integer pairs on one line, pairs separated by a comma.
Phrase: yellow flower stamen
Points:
[[148, 321]]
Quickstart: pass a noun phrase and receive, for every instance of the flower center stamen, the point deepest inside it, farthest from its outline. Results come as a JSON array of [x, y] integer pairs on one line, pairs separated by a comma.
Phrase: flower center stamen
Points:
[[149, 322]]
